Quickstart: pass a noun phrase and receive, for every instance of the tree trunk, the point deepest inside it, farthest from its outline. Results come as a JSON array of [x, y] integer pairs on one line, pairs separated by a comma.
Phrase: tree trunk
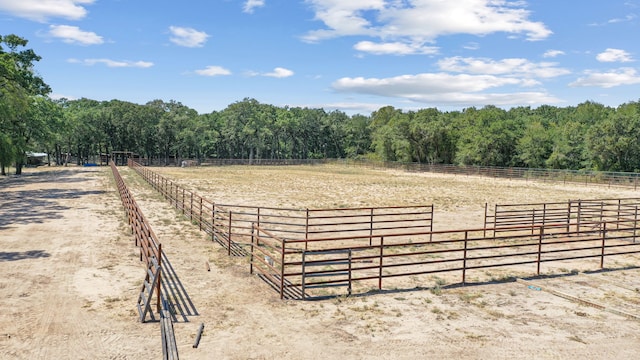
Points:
[[58, 155]]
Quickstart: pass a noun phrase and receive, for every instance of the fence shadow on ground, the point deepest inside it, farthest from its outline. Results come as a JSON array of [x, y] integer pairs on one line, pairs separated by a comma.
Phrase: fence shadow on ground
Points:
[[178, 299], [512, 279], [23, 255]]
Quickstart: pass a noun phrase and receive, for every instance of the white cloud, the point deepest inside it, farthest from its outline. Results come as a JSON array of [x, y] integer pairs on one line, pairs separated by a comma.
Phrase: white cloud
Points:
[[113, 63], [279, 72], [348, 107], [343, 18], [614, 55], [73, 35], [553, 53], [213, 71], [249, 5], [627, 18], [471, 46], [424, 20], [411, 86], [613, 78], [56, 96], [447, 89], [187, 37], [41, 10], [498, 99], [394, 48], [512, 66]]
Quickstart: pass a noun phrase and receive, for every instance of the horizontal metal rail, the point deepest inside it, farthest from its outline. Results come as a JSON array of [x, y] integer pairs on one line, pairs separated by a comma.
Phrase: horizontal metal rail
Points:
[[467, 250]]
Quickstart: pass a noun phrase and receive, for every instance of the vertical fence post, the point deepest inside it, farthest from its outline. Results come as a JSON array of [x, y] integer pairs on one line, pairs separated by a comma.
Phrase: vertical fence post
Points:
[[431, 224], [635, 223], [381, 257], [306, 232], [158, 288], [284, 245], [258, 215], [213, 221], [253, 228], [229, 234], [191, 207], [495, 218], [568, 216], [579, 217], [177, 194], [604, 236], [371, 227], [304, 274], [484, 231], [464, 258], [540, 249], [182, 205], [200, 214], [618, 219]]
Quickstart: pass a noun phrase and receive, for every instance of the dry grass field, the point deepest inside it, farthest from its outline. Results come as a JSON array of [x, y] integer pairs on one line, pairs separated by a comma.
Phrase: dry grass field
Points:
[[458, 200], [70, 275]]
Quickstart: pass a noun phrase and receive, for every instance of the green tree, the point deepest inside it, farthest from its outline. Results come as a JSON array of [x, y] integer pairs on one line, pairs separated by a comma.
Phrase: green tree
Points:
[[487, 137], [357, 136], [614, 143], [19, 85], [431, 137]]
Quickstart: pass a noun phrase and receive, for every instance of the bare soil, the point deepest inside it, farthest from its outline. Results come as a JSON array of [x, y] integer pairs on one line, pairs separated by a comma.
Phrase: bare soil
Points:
[[70, 275]]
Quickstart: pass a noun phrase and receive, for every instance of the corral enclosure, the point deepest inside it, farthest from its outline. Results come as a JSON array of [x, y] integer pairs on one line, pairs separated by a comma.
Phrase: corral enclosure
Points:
[[338, 202], [340, 186]]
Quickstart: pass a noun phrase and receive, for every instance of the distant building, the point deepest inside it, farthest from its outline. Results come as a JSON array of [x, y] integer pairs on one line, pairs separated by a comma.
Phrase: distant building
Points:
[[36, 158]]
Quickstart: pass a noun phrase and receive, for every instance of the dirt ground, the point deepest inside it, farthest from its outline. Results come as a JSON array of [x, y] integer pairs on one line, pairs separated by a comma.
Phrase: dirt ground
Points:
[[70, 276]]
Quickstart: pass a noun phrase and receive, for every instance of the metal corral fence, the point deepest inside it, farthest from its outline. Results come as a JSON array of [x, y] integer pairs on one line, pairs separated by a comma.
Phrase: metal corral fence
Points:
[[302, 268], [151, 255], [303, 253], [624, 179], [145, 239], [232, 225], [586, 177], [577, 213]]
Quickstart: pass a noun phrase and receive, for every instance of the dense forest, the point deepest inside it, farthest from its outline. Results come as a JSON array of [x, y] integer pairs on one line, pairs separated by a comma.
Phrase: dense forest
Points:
[[587, 136]]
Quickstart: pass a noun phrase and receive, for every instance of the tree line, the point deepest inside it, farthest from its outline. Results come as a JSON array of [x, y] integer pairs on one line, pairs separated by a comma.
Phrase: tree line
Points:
[[587, 136]]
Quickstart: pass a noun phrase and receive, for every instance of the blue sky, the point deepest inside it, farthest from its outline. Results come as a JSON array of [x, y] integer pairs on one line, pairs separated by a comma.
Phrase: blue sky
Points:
[[355, 56]]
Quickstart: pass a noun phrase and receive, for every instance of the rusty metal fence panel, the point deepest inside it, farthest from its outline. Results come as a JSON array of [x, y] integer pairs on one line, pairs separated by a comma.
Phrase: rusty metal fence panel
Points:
[[454, 251], [146, 240], [231, 225]]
